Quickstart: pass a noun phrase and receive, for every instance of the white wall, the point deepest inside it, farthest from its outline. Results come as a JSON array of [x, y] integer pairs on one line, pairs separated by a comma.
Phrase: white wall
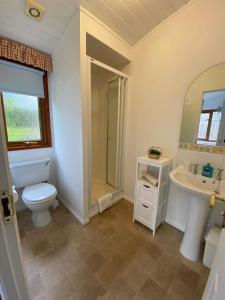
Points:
[[67, 119], [164, 65]]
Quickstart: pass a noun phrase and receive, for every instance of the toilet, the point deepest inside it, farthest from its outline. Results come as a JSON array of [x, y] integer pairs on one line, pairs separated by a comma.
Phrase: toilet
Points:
[[37, 195]]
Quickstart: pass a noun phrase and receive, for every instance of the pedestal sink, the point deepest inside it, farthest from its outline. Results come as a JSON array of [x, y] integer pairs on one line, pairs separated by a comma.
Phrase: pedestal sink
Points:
[[199, 189]]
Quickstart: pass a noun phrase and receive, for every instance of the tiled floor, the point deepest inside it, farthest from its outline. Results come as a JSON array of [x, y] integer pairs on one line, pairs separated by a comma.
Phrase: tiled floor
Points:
[[110, 258]]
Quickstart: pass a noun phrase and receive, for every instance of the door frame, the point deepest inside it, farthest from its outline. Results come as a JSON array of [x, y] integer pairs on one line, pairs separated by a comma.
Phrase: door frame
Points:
[[89, 62], [13, 283]]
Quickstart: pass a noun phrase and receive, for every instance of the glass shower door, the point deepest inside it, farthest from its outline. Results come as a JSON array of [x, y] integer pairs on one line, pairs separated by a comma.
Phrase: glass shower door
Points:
[[115, 117]]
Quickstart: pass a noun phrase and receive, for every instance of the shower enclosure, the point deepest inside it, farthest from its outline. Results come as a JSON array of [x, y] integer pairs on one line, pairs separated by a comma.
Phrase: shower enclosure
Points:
[[108, 92]]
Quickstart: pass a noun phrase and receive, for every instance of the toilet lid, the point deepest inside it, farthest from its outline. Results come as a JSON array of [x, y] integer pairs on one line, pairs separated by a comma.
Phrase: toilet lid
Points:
[[38, 192]]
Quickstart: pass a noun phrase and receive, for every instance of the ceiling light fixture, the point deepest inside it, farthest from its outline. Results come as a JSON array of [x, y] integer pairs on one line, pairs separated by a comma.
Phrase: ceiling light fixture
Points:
[[34, 10]]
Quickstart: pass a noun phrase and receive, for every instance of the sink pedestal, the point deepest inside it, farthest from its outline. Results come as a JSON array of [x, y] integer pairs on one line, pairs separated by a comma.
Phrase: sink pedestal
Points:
[[197, 220]]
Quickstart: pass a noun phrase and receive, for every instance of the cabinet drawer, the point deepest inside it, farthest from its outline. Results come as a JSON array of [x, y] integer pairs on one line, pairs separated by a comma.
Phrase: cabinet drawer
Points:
[[144, 213], [146, 193]]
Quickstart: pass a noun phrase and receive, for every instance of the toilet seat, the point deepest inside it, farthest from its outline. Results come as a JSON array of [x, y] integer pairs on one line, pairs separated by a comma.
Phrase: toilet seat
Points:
[[40, 192]]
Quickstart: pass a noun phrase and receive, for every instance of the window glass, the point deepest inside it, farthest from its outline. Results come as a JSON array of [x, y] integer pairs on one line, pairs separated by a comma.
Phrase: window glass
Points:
[[214, 129], [203, 125], [22, 117]]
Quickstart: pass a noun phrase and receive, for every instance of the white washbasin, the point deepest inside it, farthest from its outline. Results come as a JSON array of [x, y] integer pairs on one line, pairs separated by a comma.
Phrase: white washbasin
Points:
[[199, 189], [196, 185]]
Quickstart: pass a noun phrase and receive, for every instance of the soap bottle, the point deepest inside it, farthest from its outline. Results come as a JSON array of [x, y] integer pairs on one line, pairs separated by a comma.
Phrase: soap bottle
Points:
[[207, 170]]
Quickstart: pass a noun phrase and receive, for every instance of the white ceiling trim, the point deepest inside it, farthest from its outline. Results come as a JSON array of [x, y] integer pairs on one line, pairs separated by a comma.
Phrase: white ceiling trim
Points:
[[85, 11], [163, 23]]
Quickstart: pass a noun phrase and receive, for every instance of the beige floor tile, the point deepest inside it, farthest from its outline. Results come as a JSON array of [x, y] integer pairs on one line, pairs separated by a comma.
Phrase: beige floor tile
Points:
[[109, 258], [36, 286], [145, 262], [111, 270], [41, 247], [52, 276], [31, 268], [119, 290], [184, 284], [95, 260], [83, 247], [150, 291], [108, 248], [60, 291], [64, 219], [46, 261], [85, 284], [134, 276], [165, 271], [41, 297]]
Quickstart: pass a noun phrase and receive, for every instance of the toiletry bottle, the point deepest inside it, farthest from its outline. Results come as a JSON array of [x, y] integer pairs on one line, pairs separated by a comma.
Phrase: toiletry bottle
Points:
[[207, 170]]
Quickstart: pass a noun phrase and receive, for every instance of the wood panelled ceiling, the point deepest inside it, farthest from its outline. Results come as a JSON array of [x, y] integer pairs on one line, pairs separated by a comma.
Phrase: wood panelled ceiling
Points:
[[132, 19]]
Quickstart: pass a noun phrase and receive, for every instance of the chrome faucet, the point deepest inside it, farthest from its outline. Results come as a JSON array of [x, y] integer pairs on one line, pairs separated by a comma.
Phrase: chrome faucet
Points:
[[223, 215], [219, 174], [195, 168], [218, 178]]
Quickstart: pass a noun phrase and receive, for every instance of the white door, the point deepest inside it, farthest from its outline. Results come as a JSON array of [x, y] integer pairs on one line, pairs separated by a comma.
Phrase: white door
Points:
[[112, 131], [116, 94], [12, 280]]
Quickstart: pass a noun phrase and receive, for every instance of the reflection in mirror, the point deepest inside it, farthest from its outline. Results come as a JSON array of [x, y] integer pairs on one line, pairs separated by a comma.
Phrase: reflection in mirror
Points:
[[203, 121], [210, 130]]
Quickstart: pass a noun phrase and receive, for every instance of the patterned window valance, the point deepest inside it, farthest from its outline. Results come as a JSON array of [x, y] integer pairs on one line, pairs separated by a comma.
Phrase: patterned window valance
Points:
[[18, 52]]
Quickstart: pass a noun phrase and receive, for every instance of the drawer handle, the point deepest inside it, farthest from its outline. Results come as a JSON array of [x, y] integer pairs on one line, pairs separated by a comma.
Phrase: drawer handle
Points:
[[148, 187], [145, 206]]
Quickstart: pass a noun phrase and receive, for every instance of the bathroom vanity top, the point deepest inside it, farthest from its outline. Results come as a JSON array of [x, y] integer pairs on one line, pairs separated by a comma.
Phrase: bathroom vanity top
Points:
[[197, 185]]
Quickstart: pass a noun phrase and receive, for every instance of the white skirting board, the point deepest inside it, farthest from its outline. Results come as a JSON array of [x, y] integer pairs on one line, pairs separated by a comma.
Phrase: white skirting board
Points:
[[126, 197], [73, 212], [95, 210], [179, 226]]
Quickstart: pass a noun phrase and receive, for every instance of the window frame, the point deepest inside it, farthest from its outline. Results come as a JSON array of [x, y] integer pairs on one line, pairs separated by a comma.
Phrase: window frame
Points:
[[45, 125], [210, 112]]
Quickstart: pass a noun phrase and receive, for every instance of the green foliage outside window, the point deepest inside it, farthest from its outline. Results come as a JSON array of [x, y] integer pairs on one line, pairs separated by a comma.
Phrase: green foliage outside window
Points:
[[22, 117]]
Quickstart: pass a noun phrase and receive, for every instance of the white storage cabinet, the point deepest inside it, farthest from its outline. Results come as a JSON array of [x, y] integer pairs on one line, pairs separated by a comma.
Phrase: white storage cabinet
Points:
[[150, 200]]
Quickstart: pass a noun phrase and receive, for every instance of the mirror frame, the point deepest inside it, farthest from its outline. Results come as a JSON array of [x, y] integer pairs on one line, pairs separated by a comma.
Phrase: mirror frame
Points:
[[198, 147]]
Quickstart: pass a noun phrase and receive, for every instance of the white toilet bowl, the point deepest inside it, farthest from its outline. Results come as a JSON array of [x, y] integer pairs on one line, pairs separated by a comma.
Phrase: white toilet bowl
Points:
[[38, 198]]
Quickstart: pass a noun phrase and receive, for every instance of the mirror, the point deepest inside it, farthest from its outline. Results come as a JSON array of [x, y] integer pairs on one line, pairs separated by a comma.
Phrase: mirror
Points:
[[203, 121]]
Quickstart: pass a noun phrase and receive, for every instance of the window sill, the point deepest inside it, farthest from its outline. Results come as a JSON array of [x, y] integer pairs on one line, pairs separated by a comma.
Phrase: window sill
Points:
[[28, 147]]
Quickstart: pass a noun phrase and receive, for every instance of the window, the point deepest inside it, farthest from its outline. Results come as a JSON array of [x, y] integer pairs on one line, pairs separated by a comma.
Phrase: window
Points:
[[26, 114], [209, 126]]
